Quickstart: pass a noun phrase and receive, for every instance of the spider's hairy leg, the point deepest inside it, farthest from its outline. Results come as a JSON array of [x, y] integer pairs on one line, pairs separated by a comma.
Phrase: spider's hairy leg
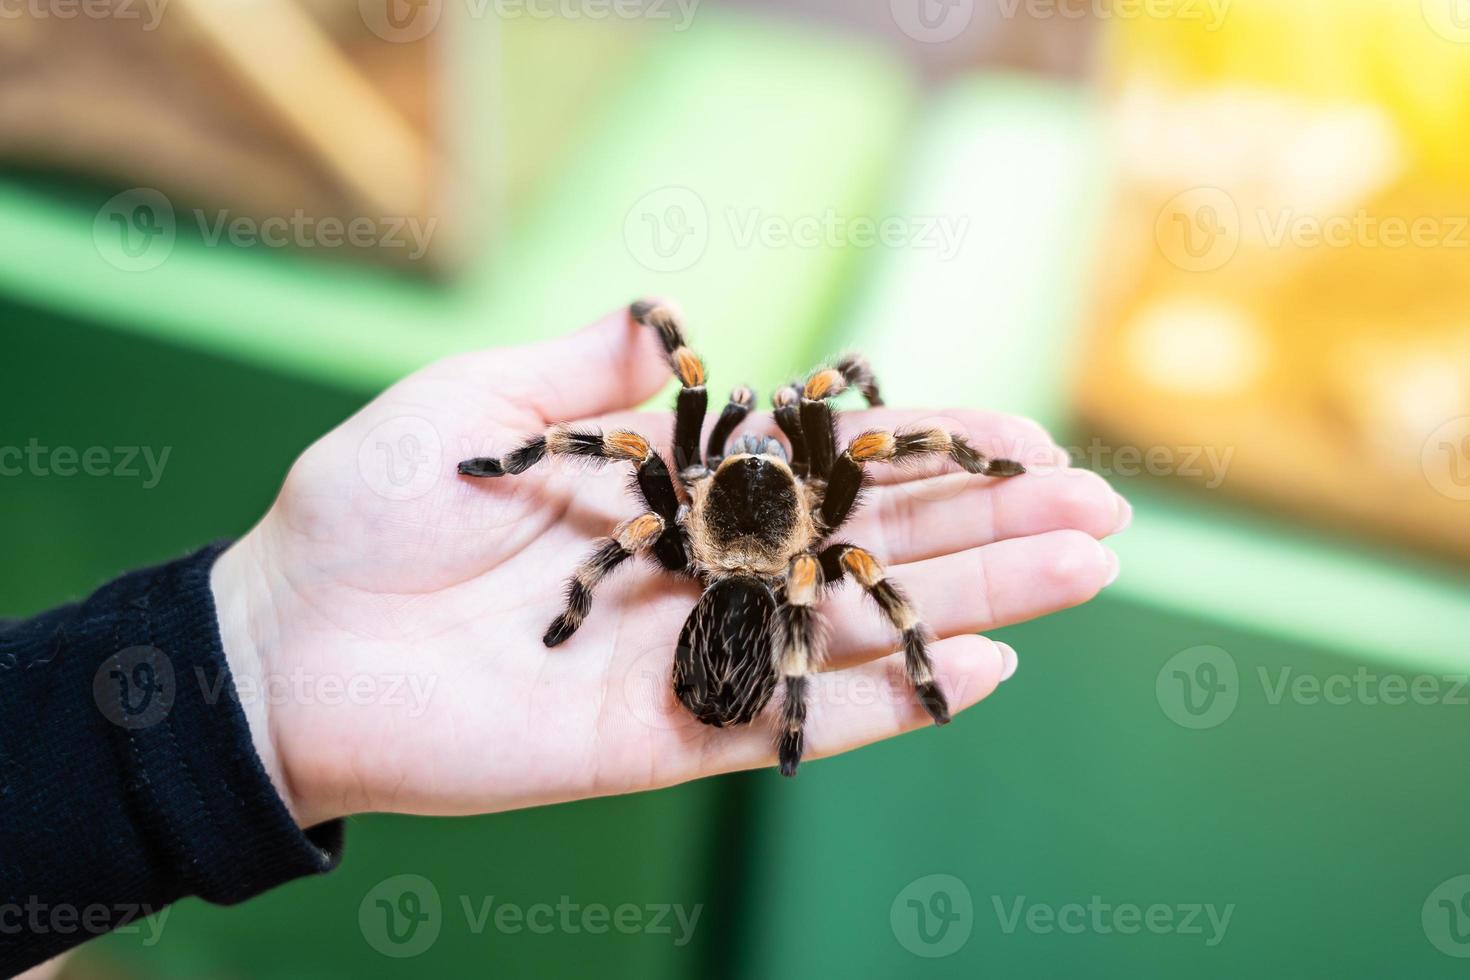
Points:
[[512, 463], [628, 539], [880, 446], [787, 402], [741, 400], [654, 482], [844, 559], [818, 419], [689, 369], [819, 423], [856, 371], [798, 653]]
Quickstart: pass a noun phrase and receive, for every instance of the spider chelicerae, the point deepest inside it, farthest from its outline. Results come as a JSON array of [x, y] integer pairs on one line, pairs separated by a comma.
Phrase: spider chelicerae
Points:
[[753, 525]]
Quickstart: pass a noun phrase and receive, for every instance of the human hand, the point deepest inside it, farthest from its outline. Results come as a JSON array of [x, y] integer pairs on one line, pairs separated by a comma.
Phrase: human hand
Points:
[[421, 608]]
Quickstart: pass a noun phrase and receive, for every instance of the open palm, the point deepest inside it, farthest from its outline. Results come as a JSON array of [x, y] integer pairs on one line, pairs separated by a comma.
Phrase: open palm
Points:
[[391, 611]]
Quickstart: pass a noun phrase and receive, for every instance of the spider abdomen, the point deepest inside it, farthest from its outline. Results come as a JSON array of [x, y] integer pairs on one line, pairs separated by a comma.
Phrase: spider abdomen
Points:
[[722, 670]]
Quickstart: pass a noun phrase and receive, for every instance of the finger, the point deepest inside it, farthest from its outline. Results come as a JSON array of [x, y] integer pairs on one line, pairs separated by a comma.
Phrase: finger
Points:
[[972, 591], [943, 514], [852, 708], [611, 365]]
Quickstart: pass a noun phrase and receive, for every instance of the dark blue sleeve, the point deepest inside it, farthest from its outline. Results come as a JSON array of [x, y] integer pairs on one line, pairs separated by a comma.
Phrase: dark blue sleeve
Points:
[[128, 779]]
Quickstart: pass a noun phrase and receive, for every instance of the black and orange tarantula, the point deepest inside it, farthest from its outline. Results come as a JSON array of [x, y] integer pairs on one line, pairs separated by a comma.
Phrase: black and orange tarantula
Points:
[[753, 527]]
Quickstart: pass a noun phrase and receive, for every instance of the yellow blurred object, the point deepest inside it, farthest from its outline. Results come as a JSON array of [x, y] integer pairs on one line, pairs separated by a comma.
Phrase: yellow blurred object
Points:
[[1288, 271]]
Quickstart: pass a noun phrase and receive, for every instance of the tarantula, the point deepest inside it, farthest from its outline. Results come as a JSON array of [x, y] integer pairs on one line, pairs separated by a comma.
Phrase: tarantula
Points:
[[753, 527]]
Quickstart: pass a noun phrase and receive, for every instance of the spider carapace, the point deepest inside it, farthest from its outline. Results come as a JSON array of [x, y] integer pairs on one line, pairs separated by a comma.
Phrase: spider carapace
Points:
[[753, 523]]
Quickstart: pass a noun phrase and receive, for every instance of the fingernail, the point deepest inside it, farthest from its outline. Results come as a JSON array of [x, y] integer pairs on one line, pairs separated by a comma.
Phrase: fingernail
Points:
[[1114, 566], [1125, 515], [1008, 661]]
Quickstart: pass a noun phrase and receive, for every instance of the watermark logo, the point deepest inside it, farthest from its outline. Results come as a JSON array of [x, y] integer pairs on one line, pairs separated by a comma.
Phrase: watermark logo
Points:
[[400, 458], [410, 692], [411, 234], [1446, 458], [134, 688], [1201, 687], [135, 230], [648, 691], [401, 916], [1198, 688], [932, 21], [943, 234], [1199, 230], [667, 230], [933, 916], [401, 21], [1446, 917], [1450, 19]]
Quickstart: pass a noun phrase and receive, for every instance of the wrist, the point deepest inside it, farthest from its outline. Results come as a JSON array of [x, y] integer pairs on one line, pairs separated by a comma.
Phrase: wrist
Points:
[[249, 633]]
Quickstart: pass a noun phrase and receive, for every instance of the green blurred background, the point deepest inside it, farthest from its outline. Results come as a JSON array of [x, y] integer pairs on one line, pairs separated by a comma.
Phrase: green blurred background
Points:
[[1146, 755]]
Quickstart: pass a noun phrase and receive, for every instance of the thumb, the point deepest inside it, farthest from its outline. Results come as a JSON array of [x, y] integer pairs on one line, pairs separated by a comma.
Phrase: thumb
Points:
[[611, 365]]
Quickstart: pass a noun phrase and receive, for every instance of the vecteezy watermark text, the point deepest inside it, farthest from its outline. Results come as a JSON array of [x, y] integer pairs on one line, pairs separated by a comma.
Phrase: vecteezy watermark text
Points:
[[669, 229], [941, 234], [406, 21], [402, 916], [1207, 464], [36, 917], [137, 688], [302, 230], [933, 917], [1364, 686], [299, 686], [148, 12], [135, 231], [123, 462], [570, 918], [1202, 230], [1211, 13], [679, 12], [1200, 688], [1097, 917]]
